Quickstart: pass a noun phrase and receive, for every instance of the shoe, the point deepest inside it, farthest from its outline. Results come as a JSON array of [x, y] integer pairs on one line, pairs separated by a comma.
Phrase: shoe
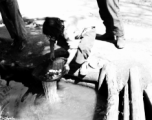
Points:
[[120, 42], [106, 36]]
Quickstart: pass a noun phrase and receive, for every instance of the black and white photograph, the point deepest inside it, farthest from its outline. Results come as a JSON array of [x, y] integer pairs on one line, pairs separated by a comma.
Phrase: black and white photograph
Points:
[[75, 60]]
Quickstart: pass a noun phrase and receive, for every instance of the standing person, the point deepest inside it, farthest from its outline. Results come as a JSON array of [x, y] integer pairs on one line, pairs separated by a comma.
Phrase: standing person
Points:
[[109, 13], [14, 23]]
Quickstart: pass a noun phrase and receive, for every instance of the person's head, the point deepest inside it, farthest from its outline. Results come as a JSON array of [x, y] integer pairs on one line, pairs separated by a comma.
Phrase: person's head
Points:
[[53, 27]]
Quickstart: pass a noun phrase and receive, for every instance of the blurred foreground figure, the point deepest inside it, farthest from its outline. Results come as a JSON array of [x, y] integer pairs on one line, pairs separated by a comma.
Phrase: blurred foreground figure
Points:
[[14, 23], [74, 42], [109, 13]]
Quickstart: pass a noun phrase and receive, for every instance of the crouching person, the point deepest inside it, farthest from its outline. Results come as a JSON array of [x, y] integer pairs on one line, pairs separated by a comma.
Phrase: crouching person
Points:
[[69, 41]]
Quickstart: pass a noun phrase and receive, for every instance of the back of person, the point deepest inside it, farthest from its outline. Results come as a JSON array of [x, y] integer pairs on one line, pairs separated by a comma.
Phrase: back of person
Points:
[[78, 41]]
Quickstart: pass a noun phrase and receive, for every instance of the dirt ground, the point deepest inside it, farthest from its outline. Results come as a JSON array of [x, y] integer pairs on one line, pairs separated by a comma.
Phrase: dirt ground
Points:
[[137, 20], [136, 17]]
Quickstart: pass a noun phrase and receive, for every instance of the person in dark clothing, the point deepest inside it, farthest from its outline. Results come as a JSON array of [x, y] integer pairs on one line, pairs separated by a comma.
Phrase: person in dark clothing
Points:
[[109, 13], [14, 23]]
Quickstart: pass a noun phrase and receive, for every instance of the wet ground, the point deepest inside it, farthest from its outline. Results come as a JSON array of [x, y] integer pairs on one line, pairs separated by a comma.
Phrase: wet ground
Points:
[[77, 103]]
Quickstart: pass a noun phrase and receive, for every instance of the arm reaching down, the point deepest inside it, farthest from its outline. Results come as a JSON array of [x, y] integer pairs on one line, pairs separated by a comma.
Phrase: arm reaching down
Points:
[[73, 45], [72, 53]]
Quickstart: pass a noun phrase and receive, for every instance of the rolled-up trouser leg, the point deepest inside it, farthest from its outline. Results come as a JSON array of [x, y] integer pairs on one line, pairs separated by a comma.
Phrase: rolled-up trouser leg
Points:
[[13, 14], [84, 50], [109, 12], [85, 46]]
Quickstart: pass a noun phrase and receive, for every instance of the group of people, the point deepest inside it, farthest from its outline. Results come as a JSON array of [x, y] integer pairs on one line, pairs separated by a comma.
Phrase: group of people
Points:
[[78, 42], [78, 46]]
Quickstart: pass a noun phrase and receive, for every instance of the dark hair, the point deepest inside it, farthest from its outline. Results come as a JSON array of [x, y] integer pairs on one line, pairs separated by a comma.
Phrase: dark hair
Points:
[[53, 26]]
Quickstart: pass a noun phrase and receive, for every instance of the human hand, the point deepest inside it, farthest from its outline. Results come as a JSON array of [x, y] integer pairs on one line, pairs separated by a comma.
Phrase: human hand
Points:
[[66, 68]]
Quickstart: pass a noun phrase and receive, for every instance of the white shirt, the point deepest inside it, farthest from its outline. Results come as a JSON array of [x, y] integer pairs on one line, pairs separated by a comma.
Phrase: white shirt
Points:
[[75, 28]]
